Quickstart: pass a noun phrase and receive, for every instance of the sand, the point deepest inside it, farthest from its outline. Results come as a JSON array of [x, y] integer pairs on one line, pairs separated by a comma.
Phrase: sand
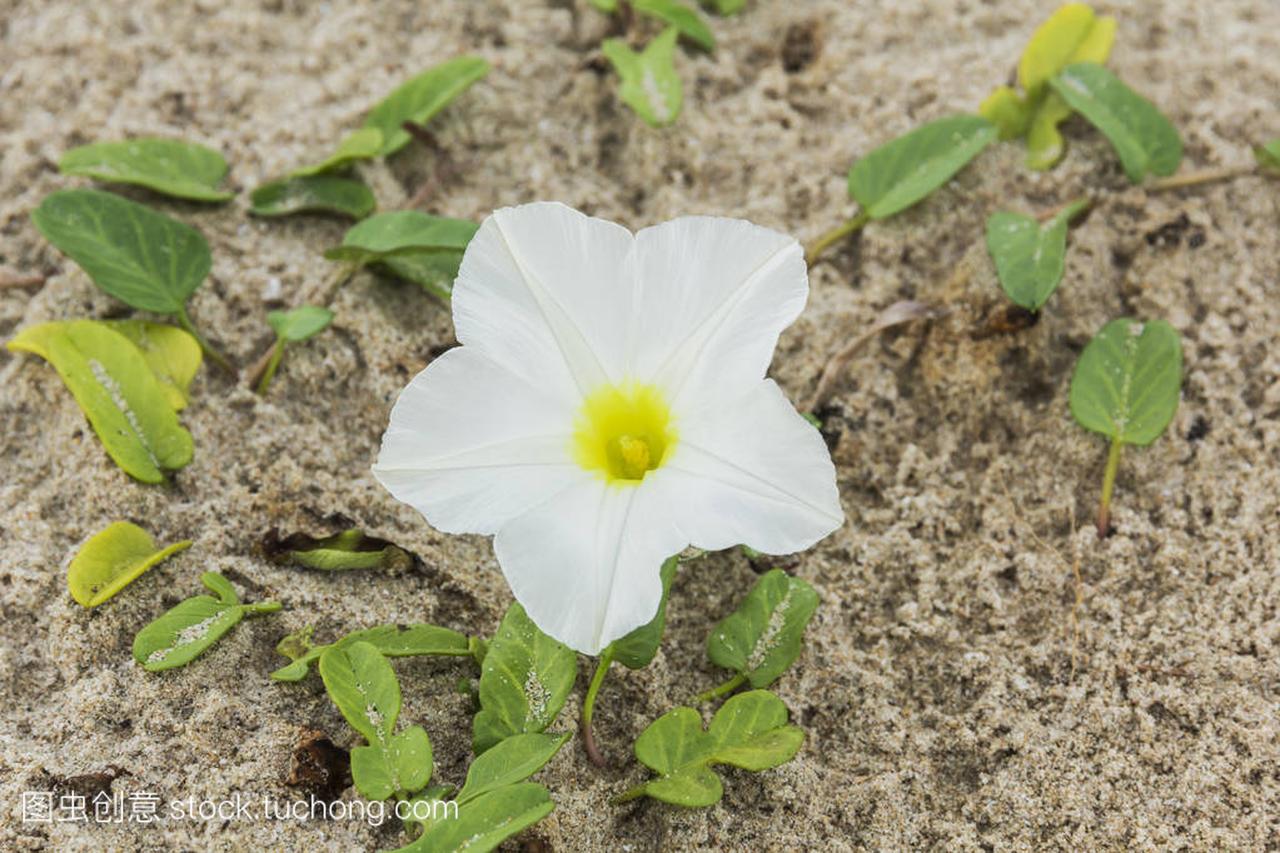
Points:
[[954, 692]]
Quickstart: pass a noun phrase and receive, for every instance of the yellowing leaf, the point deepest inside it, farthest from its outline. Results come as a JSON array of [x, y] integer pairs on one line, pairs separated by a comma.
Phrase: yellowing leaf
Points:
[[172, 354], [117, 391], [1072, 34], [112, 559]]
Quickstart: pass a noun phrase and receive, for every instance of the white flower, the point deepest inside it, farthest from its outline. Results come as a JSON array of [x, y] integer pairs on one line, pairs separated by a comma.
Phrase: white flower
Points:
[[608, 408]]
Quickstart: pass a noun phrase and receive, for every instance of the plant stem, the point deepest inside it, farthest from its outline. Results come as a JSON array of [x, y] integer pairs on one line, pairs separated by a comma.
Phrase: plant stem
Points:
[[1108, 484], [834, 236], [627, 796], [277, 353], [589, 706], [728, 687], [184, 320], [1208, 176], [262, 607]]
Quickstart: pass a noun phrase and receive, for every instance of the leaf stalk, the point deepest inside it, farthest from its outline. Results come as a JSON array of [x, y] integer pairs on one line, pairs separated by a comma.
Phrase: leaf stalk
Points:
[[1108, 484], [720, 690], [834, 236], [273, 364], [589, 705], [184, 320]]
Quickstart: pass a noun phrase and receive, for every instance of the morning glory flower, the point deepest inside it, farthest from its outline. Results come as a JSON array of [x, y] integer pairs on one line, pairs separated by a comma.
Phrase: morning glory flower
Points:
[[608, 407]]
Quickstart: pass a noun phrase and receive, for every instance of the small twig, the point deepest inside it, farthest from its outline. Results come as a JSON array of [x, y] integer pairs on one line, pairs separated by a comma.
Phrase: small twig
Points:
[[13, 280], [1194, 179], [895, 314]]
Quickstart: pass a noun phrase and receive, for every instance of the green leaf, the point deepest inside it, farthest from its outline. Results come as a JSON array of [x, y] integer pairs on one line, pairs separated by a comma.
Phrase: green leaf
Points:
[[1071, 34], [172, 354], [143, 258], [637, 649], [169, 166], [426, 807], [1143, 138], [313, 194], [726, 7], [1127, 382], [391, 640], [524, 681], [509, 761], [350, 549], [749, 731], [300, 323], [485, 822], [433, 271], [402, 232], [608, 6], [902, 172], [125, 404], [1268, 155], [421, 98], [112, 559], [363, 685], [192, 626], [363, 144], [1029, 259], [763, 636], [680, 16], [650, 85], [1045, 145]]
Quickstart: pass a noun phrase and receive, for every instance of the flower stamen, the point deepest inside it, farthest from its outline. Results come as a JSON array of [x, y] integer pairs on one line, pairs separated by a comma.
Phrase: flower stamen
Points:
[[623, 432]]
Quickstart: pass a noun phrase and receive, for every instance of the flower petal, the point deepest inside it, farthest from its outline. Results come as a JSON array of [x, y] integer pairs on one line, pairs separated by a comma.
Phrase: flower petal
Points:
[[545, 291], [714, 296], [586, 563], [754, 473], [471, 446]]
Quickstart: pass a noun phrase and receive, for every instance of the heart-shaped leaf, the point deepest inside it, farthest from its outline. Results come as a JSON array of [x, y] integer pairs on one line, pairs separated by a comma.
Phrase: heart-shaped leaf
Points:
[[391, 640], [172, 354], [419, 99], [1029, 258], [637, 649], [313, 194], [1127, 382], [685, 20], [125, 404], [749, 731], [485, 822], [363, 685], [763, 636], [1144, 139], [402, 766], [186, 630], [300, 323], [402, 232], [524, 681], [169, 166], [902, 172], [139, 256], [649, 83], [112, 559], [511, 760], [363, 144]]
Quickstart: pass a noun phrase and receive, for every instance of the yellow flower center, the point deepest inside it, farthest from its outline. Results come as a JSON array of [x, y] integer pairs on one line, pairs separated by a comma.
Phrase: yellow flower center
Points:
[[623, 432]]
